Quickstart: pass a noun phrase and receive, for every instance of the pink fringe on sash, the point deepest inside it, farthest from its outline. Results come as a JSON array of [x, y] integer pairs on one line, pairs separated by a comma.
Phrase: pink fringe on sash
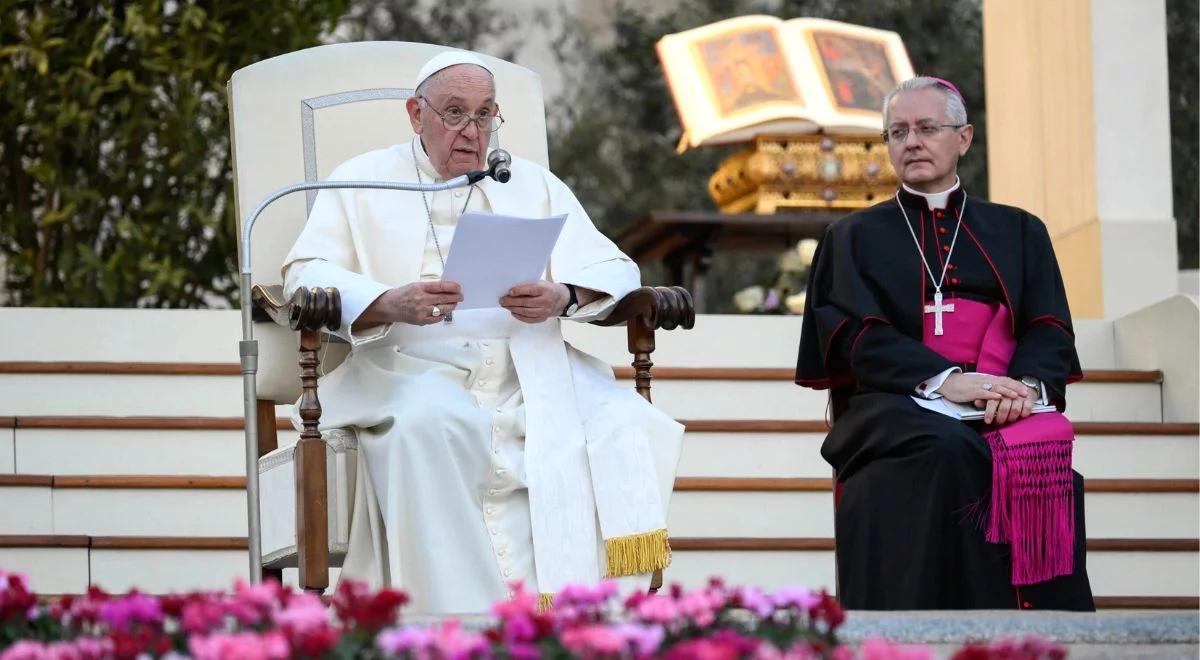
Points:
[[1032, 504]]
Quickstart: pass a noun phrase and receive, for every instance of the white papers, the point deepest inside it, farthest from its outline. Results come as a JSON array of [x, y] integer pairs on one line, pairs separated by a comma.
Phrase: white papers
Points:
[[964, 411], [491, 254]]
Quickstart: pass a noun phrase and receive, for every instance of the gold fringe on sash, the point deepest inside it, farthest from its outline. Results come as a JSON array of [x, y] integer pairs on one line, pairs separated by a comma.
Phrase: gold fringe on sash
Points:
[[637, 553], [545, 602]]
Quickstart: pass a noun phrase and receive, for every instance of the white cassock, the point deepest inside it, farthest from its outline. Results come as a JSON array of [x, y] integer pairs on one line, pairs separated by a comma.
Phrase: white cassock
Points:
[[490, 450]]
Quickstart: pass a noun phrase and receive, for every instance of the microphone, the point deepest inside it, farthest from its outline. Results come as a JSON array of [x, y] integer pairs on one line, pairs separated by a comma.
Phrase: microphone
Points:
[[498, 163]]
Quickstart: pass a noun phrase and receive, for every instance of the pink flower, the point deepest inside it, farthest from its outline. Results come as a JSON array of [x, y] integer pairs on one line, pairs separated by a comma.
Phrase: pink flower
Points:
[[446, 641], [592, 640], [453, 643], [402, 640], [243, 645], [520, 604], [697, 607], [657, 609], [122, 613], [879, 649], [643, 640], [84, 648], [800, 598], [721, 645], [753, 599], [303, 612], [202, 616]]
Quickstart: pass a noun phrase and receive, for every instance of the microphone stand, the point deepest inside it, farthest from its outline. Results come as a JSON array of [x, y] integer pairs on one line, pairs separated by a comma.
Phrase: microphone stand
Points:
[[248, 346]]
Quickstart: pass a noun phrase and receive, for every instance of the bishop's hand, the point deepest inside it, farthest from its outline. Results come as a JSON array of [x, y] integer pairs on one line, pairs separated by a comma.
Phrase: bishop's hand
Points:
[[976, 388]]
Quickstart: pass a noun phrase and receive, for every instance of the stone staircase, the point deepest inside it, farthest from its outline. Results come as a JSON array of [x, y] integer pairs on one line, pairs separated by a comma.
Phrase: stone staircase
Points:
[[121, 456]]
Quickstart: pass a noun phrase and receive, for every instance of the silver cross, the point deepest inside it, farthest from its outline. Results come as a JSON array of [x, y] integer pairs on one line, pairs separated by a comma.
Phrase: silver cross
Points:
[[936, 309]]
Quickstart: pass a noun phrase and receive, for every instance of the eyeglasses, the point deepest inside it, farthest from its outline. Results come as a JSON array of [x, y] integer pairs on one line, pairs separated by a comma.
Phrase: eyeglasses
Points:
[[923, 131], [455, 119]]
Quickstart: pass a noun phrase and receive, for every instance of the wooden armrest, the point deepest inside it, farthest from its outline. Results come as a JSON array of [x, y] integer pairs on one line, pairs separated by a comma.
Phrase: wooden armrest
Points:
[[309, 309], [665, 307]]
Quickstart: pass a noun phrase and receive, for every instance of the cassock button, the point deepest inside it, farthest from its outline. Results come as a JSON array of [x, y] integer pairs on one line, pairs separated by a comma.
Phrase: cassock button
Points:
[[1027, 605], [939, 213], [954, 280], [946, 249], [951, 267], [943, 230]]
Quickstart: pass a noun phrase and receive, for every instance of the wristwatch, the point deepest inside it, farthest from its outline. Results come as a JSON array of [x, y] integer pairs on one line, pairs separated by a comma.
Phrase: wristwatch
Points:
[[1033, 384], [572, 302]]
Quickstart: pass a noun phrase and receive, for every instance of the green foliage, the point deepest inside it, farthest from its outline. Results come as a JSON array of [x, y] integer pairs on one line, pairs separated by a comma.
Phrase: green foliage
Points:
[[114, 144], [1182, 45], [614, 131]]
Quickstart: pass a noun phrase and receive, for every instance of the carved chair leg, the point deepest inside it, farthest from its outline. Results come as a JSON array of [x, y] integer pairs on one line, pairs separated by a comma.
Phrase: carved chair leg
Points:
[[268, 441], [641, 345], [312, 500], [268, 435]]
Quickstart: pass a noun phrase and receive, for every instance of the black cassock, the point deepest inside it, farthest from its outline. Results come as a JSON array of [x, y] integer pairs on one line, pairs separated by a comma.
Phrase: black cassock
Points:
[[913, 484]]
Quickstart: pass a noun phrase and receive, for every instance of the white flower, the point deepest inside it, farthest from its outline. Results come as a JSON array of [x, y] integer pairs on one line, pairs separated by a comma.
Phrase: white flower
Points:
[[749, 299], [791, 262], [806, 248], [795, 303]]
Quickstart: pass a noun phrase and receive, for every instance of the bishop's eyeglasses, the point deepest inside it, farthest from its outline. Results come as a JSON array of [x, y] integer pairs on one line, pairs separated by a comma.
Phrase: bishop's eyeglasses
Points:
[[900, 133], [454, 119]]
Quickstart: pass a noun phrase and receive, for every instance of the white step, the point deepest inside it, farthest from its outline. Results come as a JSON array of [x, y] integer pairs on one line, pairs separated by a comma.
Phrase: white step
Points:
[[8, 450], [221, 396], [810, 514], [50, 570], [165, 571], [1111, 573], [130, 451], [772, 454], [753, 455], [76, 451], [120, 395], [155, 335], [222, 512], [67, 570]]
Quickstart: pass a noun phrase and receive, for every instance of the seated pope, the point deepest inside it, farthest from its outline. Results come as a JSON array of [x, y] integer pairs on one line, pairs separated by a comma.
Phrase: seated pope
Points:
[[490, 451]]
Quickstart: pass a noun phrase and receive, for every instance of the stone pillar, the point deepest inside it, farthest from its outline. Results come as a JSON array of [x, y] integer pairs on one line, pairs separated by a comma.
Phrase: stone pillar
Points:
[[1079, 134]]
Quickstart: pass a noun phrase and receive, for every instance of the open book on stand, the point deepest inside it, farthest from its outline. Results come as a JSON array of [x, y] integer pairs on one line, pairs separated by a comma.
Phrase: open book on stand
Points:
[[735, 79]]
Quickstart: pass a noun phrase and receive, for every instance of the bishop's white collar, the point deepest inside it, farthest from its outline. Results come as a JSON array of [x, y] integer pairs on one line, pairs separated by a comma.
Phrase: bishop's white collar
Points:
[[936, 200]]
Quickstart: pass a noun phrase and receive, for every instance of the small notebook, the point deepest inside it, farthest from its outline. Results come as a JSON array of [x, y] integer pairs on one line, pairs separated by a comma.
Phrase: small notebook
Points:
[[491, 254], [965, 411]]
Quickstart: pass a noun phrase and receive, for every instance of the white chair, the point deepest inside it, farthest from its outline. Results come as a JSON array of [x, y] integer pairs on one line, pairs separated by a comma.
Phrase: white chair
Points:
[[294, 118]]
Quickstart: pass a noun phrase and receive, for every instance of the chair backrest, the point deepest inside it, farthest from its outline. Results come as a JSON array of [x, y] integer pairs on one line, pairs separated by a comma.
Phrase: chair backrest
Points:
[[297, 116]]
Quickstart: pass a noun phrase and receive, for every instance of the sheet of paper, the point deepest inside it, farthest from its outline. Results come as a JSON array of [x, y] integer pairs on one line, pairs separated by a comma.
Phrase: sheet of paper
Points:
[[492, 253]]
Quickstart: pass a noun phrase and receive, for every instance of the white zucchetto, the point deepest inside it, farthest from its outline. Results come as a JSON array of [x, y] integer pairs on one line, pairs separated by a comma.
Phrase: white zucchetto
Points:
[[445, 60]]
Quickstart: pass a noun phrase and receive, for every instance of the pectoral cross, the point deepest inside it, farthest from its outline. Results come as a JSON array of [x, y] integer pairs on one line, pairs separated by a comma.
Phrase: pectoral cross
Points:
[[936, 309]]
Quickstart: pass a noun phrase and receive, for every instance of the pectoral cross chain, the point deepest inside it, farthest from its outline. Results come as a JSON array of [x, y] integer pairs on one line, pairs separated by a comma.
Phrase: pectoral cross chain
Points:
[[936, 309]]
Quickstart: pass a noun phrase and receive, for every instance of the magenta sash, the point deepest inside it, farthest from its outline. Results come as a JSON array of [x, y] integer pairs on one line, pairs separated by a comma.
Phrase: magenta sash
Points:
[[1033, 493]]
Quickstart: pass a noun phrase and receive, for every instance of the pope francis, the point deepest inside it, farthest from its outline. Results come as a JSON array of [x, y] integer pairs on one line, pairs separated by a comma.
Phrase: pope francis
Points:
[[490, 450]]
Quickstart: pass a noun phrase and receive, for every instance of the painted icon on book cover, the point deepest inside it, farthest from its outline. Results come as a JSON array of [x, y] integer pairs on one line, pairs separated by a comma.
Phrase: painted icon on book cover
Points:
[[746, 68], [857, 71]]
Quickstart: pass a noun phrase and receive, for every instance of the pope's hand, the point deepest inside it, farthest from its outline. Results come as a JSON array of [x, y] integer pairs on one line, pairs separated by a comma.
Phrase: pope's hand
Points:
[[534, 302], [414, 303]]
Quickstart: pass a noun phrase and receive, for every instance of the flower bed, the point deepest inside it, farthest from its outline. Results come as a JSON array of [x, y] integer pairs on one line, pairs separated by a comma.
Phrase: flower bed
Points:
[[271, 621]]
